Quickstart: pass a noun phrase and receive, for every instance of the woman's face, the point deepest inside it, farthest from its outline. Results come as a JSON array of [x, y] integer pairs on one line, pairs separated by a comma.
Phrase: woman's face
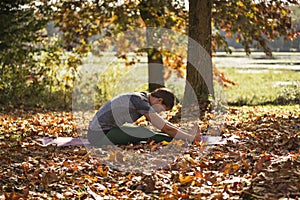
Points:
[[158, 106]]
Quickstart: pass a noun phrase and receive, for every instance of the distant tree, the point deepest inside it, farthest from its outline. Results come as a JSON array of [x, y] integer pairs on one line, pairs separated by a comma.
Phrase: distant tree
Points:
[[18, 31], [155, 57], [252, 23], [81, 20], [20, 35]]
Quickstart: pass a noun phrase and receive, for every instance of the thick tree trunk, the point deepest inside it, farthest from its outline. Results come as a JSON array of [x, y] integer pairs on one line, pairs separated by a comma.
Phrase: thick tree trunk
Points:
[[199, 85]]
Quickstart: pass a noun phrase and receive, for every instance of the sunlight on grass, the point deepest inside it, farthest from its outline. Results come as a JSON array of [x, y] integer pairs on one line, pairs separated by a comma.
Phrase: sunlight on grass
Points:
[[260, 86]]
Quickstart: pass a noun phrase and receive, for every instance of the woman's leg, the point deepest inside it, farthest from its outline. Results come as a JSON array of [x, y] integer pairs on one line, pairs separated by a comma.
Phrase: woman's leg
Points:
[[134, 134], [96, 138]]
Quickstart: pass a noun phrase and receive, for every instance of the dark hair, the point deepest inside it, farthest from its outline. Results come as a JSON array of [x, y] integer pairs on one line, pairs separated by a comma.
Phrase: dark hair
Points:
[[167, 96]]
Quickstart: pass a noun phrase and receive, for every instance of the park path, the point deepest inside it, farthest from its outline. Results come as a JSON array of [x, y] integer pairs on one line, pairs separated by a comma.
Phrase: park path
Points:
[[257, 60]]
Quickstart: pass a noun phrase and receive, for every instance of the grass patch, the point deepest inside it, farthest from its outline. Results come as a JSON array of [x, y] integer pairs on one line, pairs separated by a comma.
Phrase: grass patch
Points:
[[260, 87]]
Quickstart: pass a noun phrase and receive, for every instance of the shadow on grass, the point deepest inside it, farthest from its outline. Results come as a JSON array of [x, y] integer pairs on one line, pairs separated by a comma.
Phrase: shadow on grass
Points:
[[279, 101]]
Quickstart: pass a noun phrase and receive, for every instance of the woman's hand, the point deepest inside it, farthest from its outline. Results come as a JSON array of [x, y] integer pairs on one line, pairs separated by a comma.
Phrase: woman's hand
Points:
[[197, 130]]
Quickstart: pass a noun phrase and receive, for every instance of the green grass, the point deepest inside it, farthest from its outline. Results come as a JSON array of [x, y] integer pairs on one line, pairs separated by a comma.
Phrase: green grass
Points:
[[259, 87]]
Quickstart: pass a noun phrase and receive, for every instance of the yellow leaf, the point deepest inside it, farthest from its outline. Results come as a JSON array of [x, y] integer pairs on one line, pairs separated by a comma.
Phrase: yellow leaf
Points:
[[178, 142], [235, 167], [240, 4], [101, 171], [190, 159], [83, 41], [185, 179], [114, 18]]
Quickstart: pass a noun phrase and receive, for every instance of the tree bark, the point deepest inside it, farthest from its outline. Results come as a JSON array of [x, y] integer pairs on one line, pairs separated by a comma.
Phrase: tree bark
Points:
[[155, 70], [155, 61], [199, 79]]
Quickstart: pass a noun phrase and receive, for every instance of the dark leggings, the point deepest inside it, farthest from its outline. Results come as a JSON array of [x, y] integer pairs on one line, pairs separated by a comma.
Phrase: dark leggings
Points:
[[126, 134]]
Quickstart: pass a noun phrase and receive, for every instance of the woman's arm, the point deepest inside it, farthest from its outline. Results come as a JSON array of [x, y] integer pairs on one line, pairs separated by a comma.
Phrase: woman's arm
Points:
[[171, 129]]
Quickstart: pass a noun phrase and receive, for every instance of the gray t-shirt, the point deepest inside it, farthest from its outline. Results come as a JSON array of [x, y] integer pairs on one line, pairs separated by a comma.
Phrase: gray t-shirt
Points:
[[125, 108]]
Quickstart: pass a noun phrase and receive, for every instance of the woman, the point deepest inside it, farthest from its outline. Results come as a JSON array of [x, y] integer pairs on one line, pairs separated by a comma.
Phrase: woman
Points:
[[110, 124]]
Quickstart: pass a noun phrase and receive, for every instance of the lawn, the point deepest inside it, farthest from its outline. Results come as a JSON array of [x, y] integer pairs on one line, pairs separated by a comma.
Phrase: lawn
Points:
[[262, 86], [261, 79]]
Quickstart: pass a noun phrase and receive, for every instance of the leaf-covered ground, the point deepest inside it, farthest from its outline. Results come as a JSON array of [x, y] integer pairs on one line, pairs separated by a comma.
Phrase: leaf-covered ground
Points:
[[262, 162]]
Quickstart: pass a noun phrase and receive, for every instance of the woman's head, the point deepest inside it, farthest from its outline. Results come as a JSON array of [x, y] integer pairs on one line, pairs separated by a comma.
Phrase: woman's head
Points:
[[166, 97]]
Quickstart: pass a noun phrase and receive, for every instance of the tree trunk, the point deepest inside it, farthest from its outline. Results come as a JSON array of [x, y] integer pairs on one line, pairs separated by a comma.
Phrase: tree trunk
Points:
[[155, 70], [155, 61], [199, 79]]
